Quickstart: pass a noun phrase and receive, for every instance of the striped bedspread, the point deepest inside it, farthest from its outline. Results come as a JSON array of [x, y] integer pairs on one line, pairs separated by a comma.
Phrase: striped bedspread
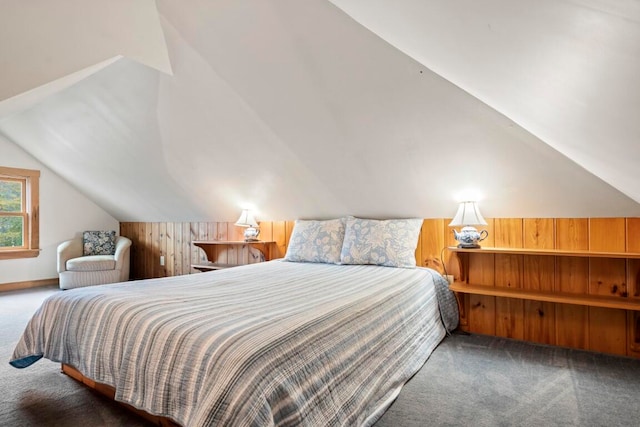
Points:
[[276, 343]]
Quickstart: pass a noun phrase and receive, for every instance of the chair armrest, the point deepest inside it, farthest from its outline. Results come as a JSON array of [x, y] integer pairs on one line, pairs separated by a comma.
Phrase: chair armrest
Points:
[[68, 250], [122, 251]]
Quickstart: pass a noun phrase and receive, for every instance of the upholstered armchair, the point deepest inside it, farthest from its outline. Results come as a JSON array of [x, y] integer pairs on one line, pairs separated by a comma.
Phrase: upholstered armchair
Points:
[[77, 270]]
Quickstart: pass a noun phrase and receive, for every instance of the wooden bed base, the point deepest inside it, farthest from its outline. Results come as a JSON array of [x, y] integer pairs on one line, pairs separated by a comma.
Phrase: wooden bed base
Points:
[[110, 393]]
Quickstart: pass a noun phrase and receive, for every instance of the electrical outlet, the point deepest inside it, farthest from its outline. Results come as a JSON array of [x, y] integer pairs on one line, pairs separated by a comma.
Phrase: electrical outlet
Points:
[[162, 260]]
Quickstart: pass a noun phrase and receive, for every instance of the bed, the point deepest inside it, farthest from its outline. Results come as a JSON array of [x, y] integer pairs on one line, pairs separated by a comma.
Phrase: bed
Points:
[[275, 343]]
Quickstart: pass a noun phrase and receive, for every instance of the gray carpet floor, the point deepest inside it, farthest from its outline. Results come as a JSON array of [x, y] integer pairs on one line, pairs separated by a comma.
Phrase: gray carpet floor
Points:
[[470, 380]]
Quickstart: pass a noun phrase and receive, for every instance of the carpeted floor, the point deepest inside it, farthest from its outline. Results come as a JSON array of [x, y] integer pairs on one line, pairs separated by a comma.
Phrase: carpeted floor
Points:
[[469, 380]]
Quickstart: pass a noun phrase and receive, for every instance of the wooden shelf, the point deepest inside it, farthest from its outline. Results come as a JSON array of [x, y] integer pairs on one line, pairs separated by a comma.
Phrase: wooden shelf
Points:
[[206, 266], [547, 252], [463, 285], [208, 246], [231, 242], [558, 297]]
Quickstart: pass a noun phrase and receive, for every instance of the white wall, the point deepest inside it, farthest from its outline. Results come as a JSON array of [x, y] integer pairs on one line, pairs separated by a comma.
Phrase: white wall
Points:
[[43, 41], [64, 212]]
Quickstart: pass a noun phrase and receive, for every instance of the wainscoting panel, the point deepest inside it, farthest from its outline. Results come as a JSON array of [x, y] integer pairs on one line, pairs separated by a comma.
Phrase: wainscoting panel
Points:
[[607, 330]]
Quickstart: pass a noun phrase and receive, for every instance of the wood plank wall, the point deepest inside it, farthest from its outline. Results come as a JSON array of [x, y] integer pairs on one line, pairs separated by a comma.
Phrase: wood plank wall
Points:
[[600, 329]]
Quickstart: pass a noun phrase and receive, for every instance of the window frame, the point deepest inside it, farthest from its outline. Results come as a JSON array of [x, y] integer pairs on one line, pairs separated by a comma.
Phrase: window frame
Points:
[[30, 212]]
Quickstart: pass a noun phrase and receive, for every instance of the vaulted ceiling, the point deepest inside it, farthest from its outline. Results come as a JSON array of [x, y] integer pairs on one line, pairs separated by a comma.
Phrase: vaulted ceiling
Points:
[[188, 111]]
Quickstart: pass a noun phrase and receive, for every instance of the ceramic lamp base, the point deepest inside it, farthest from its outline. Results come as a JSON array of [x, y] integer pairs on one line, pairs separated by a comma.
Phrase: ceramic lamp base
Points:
[[251, 234]]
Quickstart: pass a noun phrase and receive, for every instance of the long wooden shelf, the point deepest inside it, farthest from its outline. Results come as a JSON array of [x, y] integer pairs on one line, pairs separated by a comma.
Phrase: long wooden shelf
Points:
[[206, 266], [206, 246], [547, 252], [232, 242], [558, 297]]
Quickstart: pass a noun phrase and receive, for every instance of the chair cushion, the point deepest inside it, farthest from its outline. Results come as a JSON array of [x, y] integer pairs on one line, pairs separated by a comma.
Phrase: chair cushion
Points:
[[99, 243], [92, 263]]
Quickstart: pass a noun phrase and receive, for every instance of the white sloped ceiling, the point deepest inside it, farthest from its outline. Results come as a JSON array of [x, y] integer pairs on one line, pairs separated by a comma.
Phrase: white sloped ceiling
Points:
[[568, 71], [296, 109], [47, 46]]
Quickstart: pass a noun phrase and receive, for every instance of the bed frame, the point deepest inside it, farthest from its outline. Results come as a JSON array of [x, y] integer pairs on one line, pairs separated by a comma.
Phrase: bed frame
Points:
[[110, 393]]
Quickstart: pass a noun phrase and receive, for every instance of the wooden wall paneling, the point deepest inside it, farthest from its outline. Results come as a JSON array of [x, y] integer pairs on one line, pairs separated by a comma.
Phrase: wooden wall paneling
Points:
[[608, 330], [539, 233], [481, 314], [288, 230], [266, 234], [572, 276], [453, 268], [136, 247], [125, 231], [508, 274], [482, 309], [198, 255], [178, 231], [607, 276], [452, 265], [222, 252], [572, 321], [633, 333], [149, 253], [632, 241], [280, 237], [633, 286], [539, 274], [607, 234], [490, 240], [633, 235], [507, 233], [572, 233], [162, 239], [144, 256], [539, 317], [266, 230], [132, 233], [212, 232], [170, 259], [155, 249], [432, 243], [140, 259], [189, 233], [237, 234]]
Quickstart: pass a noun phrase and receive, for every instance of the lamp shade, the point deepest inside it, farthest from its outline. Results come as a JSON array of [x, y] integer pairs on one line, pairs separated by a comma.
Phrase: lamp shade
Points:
[[246, 219], [468, 214]]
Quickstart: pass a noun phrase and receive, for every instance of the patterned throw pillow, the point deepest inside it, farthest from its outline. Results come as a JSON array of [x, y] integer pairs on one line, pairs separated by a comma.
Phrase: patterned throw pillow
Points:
[[390, 243], [99, 243], [316, 241]]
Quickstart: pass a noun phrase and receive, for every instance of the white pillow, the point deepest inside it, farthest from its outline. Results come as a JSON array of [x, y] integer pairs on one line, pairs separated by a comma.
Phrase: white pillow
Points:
[[390, 243], [316, 241]]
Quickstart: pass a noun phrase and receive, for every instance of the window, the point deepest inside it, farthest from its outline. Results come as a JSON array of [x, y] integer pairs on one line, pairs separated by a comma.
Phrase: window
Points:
[[19, 213]]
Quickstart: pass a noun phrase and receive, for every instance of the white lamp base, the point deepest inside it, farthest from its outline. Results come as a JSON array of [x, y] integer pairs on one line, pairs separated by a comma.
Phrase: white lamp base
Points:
[[469, 237], [251, 234]]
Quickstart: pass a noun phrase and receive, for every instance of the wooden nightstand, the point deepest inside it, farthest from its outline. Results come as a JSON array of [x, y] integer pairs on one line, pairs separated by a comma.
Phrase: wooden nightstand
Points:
[[224, 254]]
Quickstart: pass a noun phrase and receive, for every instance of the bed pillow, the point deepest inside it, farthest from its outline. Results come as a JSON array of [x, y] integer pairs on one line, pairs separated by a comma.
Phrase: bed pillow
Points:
[[390, 243], [99, 243], [316, 241]]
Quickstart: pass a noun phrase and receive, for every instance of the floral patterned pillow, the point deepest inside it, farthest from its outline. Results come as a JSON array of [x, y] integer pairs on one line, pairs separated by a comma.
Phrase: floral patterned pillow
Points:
[[99, 243], [390, 243], [316, 241]]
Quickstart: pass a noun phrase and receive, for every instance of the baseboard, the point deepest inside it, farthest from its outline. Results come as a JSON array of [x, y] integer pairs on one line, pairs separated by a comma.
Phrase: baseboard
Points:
[[28, 284]]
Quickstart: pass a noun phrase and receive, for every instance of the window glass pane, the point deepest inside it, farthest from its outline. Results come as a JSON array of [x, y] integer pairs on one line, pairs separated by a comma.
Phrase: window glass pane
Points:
[[11, 231], [10, 196]]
